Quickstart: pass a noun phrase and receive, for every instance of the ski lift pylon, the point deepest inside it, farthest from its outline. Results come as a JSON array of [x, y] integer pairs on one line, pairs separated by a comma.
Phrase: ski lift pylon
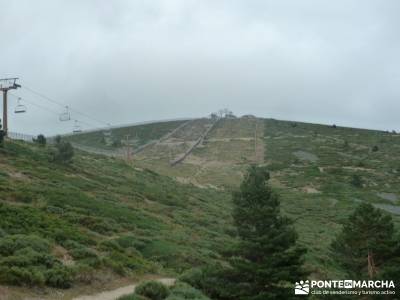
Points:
[[20, 108], [65, 116]]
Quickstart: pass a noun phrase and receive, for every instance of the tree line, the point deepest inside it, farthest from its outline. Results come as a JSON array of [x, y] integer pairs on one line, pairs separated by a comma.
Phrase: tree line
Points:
[[61, 152]]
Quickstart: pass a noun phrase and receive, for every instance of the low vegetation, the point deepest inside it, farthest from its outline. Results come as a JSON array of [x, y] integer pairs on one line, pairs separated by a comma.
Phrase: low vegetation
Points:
[[68, 224], [153, 290], [62, 152], [321, 179], [99, 215], [112, 139]]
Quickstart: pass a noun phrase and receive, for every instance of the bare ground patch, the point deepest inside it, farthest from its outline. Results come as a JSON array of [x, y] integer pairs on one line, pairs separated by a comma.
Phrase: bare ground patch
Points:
[[310, 190]]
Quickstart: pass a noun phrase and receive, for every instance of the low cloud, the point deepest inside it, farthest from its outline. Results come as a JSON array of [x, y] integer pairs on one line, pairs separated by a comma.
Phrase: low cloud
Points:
[[128, 61]]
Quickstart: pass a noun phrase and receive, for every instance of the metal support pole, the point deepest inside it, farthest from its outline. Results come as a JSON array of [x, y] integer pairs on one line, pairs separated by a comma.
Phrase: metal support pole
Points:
[[5, 109], [5, 85]]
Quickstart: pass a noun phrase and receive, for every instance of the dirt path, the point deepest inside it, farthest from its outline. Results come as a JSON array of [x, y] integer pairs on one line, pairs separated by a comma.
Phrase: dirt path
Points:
[[115, 294]]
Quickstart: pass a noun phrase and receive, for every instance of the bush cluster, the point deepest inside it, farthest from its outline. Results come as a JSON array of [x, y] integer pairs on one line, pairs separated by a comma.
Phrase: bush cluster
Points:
[[183, 291], [153, 290], [63, 152], [25, 260]]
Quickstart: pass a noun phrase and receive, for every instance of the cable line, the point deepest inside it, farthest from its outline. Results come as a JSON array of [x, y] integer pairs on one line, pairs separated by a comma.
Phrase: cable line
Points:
[[35, 104], [92, 126], [63, 105]]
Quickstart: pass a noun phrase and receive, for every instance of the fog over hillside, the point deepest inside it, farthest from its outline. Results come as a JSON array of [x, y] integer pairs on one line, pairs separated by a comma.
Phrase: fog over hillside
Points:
[[130, 61]]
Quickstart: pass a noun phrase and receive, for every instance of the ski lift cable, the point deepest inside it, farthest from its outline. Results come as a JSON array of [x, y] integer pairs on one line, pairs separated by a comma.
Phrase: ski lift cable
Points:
[[83, 122], [35, 104], [52, 111], [63, 105]]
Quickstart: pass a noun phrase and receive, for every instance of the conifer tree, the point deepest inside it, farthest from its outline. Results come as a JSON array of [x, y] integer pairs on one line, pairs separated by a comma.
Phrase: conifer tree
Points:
[[267, 261], [391, 269], [366, 243]]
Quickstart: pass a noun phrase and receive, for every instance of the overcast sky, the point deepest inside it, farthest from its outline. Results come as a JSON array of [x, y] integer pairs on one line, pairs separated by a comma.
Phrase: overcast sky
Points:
[[136, 60]]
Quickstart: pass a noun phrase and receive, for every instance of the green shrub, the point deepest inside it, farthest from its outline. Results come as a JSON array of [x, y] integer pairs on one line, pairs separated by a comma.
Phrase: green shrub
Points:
[[183, 291], [110, 245], [26, 257], [82, 253], [130, 241], [208, 279], [25, 272], [60, 277], [16, 220], [116, 266], [123, 263], [84, 274], [10, 244], [360, 164], [86, 256], [21, 275], [26, 260], [356, 181], [22, 196], [276, 166], [62, 153], [99, 225], [153, 290]]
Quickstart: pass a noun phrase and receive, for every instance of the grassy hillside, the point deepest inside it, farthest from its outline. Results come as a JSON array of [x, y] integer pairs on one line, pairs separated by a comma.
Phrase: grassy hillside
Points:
[[99, 218], [321, 172], [219, 161], [139, 135], [313, 168], [102, 214]]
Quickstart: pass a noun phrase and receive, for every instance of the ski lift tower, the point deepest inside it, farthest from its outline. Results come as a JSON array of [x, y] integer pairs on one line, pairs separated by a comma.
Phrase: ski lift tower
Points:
[[7, 84]]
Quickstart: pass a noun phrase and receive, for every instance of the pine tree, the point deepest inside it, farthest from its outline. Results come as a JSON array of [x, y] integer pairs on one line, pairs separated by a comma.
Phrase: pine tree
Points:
[[366, 242], [391, 269], [41, 140], [267, 261]]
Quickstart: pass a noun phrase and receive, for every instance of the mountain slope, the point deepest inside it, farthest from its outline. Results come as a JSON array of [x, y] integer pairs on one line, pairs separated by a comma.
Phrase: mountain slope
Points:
[[313, 169], [321, 172], [104, 214], [70, 225], [137, 135]]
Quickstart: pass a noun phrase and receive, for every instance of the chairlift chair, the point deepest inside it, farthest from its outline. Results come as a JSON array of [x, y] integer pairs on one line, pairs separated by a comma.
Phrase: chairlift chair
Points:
[[20, 108], [77, 128], [65, 116], [107, 132]]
